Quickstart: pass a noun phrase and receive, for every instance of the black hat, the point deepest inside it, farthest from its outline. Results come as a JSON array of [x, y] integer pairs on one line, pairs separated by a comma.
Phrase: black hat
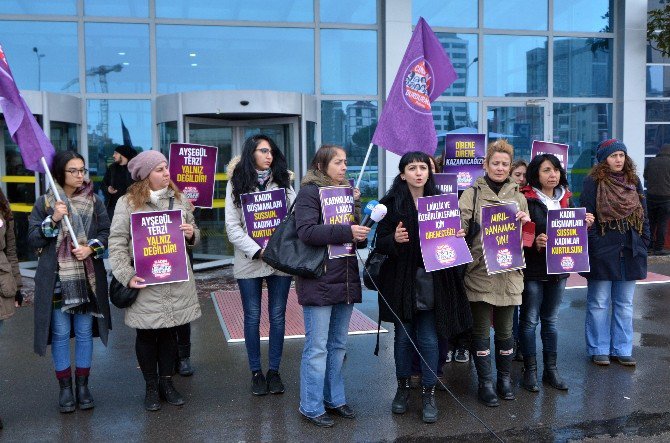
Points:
[[126, 151]]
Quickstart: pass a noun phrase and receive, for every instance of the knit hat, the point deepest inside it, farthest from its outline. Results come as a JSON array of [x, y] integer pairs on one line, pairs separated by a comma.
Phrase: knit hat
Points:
[[141, 166], [609, 147], [126, 151]]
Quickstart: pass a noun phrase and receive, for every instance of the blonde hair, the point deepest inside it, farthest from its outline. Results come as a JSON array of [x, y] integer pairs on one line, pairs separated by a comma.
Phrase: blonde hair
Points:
[[138, 193], [501, 146]]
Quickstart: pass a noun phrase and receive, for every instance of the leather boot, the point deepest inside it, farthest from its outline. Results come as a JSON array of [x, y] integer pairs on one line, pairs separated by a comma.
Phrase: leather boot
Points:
[[399, 405], [184, 367], [504, 352], [168, 392], [429, 412], [529, 382], [66, 397], [518, 355], [481, 354], [550, 373], [151, 399], [84, 397]]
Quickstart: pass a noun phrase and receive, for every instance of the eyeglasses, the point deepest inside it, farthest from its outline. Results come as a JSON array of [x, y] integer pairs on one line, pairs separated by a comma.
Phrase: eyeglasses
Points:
[[76, 172], [264, 151]]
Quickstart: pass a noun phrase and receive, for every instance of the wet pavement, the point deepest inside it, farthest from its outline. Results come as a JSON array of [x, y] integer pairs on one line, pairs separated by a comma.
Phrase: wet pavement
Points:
[[604, 403]]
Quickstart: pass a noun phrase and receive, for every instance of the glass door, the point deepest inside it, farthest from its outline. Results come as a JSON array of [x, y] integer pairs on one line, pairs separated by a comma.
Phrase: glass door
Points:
[[519, 123]]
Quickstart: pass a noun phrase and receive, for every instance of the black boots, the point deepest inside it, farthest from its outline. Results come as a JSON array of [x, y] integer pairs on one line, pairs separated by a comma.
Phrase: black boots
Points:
[[168, 392], [504, 354], [184, 367], [529, 382], [550, 373], [429, 413], [151, 399], [83, 395], [399, 405], [481, 354], [65, 397]]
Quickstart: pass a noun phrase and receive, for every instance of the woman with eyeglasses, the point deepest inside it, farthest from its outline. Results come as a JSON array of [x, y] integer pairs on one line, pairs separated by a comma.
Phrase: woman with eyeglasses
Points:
[[71, 293]]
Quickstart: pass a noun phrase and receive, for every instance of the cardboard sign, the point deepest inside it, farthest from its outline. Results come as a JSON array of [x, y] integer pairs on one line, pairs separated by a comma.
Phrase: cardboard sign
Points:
[[557, 149], [567, 241], [501, 238], [337, 208], [263, 211], [193, 169], [464, 156], [447, 183]]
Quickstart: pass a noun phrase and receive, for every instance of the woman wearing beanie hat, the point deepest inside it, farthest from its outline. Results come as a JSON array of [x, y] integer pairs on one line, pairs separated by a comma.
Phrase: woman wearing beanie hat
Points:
[[613, 193], [159, 309]]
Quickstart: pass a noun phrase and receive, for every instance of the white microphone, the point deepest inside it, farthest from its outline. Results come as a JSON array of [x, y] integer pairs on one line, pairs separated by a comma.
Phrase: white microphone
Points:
[[377, 214]]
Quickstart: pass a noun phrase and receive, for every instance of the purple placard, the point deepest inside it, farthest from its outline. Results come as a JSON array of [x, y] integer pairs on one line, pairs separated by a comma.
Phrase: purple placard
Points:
[[351, 182], [337, 208], [567, 241], [159, 246], [263, 211], [193, 169], [464, 156], [446, 183], [439, 221], [557, 149], [501, 238]]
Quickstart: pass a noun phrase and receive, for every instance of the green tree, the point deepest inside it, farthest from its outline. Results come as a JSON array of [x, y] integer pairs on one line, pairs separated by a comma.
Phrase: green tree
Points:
[[658, 28]]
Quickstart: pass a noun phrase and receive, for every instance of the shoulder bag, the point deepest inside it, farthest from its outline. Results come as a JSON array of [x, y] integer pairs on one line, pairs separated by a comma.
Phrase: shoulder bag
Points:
[[121, 296], [373, 267]]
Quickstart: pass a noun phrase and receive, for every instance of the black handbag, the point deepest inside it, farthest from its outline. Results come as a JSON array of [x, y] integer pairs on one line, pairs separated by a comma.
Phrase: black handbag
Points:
[[373, 268], [121, 296], [287, 253]]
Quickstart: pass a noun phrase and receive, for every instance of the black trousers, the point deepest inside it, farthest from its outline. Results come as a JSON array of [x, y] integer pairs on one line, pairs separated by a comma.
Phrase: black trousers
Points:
[[156, 351], [184, 334]]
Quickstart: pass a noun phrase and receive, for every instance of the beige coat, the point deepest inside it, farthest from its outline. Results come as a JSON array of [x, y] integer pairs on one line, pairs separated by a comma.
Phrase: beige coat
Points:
[[10, 277], [502, 289], [157, 306]]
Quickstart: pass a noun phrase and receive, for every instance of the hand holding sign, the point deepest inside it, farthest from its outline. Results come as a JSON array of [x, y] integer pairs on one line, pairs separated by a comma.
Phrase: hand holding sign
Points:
[[136, 283], [589, 219], [525, 218], [188, 230], [541, 241]]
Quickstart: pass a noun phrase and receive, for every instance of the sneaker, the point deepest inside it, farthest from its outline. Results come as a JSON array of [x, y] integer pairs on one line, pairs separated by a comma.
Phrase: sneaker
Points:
[[624, 360], [275, 386], [600, 360], [462, 355], [449, 357], [258, 384]]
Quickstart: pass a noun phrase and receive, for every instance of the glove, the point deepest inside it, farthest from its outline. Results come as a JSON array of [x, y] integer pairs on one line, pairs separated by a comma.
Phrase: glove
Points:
[[18, 297]]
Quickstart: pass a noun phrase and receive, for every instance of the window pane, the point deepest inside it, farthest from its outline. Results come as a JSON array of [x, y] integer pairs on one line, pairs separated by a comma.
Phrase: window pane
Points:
[[54, 66], [462, 49], [515, 14], [582, 67], [583, 15], [167, 133], [658, 81], [658, 111], [582, 126], [117, 8], [117, 58], [253, 10], [520, 125], [348, 11], [64, 136], [442, 13], [194, 58], [655, 136], [59, 7], [348, 62], [460, 117], [654, 55], [351, 124], [515, 66]]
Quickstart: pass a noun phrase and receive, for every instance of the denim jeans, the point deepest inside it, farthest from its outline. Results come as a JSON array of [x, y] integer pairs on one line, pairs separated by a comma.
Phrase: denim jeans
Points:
[[60, 339], [541, 300], [251, 292], [422, 330], [609, 333], [321, 381]]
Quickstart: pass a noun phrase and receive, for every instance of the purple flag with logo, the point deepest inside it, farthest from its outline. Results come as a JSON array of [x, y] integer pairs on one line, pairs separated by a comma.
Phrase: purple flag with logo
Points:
[[406, 122], [23, 128]]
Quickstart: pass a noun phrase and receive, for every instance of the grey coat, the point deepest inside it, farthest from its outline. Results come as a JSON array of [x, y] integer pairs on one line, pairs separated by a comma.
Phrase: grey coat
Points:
[[47, 269]]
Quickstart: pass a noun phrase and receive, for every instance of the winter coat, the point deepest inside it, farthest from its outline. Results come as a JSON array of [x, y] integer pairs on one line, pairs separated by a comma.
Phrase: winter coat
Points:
[[505, 288], [398, 279], [657, 175], [47, 270], [604, 250], [118, 177], [341, 282], [10, 276], [245, 265], [536, 261], [157, 306]]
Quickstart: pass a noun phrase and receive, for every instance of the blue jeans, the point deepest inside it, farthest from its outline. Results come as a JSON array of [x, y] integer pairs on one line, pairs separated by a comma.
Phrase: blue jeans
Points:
[[251, 292], [321, 381], [609, 333], [60, 339], [541, 300], [422, 331]]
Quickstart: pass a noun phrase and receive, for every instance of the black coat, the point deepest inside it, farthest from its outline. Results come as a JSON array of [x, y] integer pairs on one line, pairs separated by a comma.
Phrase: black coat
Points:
[[398, 277], [117, 177], [604, 250]]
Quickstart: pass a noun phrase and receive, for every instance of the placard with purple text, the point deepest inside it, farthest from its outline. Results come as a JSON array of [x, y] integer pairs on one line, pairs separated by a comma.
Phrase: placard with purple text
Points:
[[193, 169], [501, 238], [263, 211], [557, 149], [446, 183], [567, 241], [337, 208], [464, 156]]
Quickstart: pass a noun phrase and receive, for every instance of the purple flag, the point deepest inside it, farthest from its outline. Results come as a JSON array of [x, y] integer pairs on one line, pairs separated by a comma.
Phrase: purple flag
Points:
[[406, 122], [23, 128]]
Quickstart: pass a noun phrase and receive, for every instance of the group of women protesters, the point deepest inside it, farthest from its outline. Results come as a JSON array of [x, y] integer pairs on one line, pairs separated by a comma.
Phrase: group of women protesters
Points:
[[71, 296]]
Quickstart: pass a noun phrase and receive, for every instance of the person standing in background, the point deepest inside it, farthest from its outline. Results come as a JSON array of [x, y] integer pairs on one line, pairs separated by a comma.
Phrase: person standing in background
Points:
[[657, 180], [117, 178], [519, 169]]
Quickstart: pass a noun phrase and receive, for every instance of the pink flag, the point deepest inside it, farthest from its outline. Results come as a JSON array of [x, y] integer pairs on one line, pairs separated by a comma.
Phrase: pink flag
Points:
[[23, 127], [406, 122]]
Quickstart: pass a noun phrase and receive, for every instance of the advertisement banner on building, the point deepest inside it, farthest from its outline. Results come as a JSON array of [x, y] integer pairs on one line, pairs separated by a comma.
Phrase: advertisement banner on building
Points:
[[446, 183], [557, 149], [439, 221], [263, 211], [567, 241], [159, 246], [193, 169], [501, 238], [337, 208], [464, 156]]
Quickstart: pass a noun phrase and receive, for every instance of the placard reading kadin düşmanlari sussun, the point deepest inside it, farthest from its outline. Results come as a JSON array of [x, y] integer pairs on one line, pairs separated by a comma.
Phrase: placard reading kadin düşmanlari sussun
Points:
[[567, 241], [159, 246], [501, 238], [337, 208], [193, 170], [263, 211]]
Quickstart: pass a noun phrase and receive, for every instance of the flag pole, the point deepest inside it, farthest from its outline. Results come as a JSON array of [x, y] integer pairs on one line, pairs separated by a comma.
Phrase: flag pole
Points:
[[52, 185], [365, 162]]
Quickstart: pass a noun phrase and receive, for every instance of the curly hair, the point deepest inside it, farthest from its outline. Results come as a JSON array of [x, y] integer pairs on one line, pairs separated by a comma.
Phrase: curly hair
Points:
[[5, 210], [138, 193], [502, 146], [602, 169]]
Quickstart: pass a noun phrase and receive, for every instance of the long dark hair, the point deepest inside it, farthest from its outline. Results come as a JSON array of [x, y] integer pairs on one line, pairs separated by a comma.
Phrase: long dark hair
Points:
[[400, 190], [59, 163], [245, 177], [533, 171], [5, 210]]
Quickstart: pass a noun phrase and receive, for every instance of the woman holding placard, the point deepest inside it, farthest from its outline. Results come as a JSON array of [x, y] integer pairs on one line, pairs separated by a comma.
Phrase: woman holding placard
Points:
[[617, 252], [160, 308], [71, 291], [261, 167], [493, 295]]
